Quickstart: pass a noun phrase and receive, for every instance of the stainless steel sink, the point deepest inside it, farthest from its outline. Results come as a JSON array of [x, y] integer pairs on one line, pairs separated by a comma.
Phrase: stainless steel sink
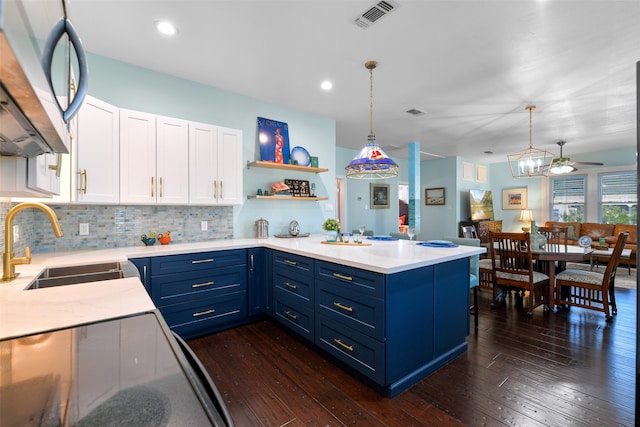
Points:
[[61, 276]]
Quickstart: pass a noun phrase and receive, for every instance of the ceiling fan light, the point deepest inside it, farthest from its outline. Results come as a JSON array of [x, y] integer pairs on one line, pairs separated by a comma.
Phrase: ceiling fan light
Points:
[[559, 169]]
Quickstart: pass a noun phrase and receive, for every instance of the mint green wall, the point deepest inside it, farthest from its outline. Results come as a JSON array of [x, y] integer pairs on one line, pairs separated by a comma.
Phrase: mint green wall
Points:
[[131, 87]]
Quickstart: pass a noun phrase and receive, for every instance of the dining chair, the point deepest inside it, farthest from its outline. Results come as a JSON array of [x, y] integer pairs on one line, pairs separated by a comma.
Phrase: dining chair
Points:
[[474, 271], [468, 231], [556, 237], [401, 236], [590, 289], [515, 269]]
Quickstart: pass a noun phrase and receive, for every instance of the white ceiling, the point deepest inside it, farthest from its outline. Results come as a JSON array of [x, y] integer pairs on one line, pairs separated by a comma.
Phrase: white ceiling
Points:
[[473, 66]]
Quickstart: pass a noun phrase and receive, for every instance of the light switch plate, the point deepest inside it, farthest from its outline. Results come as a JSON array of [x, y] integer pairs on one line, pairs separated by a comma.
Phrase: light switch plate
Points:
[[83, 229], [16, 233], [204, 225]]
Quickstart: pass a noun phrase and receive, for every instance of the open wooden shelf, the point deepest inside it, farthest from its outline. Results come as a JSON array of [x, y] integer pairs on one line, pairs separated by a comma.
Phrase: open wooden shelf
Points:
[[273, 165], [288, 198]]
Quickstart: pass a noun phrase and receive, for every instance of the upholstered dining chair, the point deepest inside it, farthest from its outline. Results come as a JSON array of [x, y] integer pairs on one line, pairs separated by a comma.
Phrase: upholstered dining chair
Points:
[[590, 289], [474, 273], [515, 269], [556, 237]]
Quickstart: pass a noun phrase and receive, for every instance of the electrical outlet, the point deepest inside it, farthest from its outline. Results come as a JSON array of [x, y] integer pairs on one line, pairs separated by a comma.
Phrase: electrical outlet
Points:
[[83, 229], [16, 233], [204, 225]]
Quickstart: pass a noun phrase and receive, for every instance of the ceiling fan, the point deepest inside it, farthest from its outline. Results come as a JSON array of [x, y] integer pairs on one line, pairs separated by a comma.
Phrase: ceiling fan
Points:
[[562, 164]]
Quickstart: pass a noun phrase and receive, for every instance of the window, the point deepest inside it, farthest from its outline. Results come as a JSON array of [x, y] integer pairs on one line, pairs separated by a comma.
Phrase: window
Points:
[[619, 198], [568, 199]]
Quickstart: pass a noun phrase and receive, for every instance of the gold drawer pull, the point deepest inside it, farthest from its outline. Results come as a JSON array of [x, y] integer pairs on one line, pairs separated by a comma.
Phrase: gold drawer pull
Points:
[[286, 261], [200, 261], [199, 285], [289, 285], [340, 276], [343, 345], [291, 315], [202, 313], [344, 307]]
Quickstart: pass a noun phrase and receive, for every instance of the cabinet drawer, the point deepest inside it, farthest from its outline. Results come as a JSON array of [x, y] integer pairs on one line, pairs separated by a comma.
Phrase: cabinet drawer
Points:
[[364, 354], [363, 313], [197, 261], [289, 311], [300, 286], [181, 287], [295, 263], [203, 315], [364, 282]]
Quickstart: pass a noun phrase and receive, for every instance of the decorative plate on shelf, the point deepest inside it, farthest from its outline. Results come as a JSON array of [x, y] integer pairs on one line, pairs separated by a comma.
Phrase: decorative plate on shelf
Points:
[[301, 156], [584, 241]]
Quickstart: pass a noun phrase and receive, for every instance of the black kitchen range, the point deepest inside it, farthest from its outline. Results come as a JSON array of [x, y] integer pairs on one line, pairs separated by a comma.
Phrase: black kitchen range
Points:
[[128, 371]]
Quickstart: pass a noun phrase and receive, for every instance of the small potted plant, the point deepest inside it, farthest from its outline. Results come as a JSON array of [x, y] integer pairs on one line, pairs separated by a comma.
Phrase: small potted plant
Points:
[[332, 227]]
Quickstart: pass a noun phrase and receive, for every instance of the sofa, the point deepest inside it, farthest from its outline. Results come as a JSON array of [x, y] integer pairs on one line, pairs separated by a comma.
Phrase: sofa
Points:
[[597, 230]]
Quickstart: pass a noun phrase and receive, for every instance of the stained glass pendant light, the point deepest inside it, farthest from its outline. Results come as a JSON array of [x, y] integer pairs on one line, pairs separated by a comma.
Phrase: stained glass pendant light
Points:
[[530, 162], [371, 162]]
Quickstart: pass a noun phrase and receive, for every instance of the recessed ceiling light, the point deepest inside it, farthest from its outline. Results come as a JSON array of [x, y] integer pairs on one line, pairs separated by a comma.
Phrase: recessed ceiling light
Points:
[[326, 85], [166, 28]]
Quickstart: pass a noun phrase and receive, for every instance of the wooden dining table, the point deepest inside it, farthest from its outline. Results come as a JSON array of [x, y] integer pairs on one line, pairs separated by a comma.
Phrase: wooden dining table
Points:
[[547, 262]]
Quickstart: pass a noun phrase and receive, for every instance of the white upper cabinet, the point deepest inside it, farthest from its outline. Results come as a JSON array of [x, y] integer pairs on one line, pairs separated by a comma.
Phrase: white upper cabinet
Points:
[[215, 165], [172, 160], [154, 159], [96, 153]]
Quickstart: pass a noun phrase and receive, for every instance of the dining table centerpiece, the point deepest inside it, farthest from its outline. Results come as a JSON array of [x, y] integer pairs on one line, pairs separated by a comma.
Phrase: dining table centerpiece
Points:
[[332, 227]]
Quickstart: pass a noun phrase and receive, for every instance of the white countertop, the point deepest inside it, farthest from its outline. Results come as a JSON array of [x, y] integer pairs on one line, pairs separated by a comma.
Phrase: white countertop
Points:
[[38, 310]]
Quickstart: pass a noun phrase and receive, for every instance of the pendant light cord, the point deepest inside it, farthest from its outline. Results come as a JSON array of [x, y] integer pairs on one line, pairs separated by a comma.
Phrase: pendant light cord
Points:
[[370, 66]]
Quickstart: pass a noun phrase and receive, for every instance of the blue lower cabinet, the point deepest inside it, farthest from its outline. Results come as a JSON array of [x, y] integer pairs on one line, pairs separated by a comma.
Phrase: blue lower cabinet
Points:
[[259, 267], [207, 315], [144, 269], [293, 313], [359, 351]]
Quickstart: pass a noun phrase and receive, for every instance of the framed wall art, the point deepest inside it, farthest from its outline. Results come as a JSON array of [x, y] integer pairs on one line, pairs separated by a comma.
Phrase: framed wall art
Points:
[[379, 195], [273, 137], [434, 196], [514, 198], [481, 174], [467, 171]]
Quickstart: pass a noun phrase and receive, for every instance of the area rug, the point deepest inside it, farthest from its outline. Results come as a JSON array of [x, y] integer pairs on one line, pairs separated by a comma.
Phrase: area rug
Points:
[[623, 278]]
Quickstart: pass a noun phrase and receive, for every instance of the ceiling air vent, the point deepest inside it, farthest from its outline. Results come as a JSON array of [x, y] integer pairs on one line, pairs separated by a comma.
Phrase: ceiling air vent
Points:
[[416, 112], [374, 13]]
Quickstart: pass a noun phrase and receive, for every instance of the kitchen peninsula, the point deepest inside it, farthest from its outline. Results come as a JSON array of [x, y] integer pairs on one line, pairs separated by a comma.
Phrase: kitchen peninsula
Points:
[[390, 313]]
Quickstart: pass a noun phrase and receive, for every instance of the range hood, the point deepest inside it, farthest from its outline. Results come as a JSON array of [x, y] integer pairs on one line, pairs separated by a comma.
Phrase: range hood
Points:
[[26, 128]]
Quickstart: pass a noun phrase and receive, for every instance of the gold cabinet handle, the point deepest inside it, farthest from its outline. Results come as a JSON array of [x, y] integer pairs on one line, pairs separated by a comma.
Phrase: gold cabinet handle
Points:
[[202, 313], [286, 261], [289, 285], [251, 263], [291, 315], [57, 166], [215, 189], [152, 194], [344, 307], [160, 186], [343, 345], [201, 261], [144, 274], [83, 180], [221, 189], [340, 276], [200, 285]]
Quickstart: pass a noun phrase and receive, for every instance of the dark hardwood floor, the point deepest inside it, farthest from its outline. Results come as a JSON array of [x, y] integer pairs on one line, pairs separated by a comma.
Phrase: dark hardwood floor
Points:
[[555, 369]]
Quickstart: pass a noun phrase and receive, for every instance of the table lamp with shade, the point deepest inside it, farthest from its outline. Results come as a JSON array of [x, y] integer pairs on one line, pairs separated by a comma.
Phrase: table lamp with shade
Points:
[[526, 216]]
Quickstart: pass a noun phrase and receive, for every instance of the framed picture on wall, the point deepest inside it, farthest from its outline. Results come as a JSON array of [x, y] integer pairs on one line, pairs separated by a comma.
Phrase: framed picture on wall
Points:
[[514, 198], [379, 195], [467, 171], [481, 173], [434, 196]]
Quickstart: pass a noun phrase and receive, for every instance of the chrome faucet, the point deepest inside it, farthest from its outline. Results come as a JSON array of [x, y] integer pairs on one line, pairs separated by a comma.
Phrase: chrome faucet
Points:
[[9, 260]]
